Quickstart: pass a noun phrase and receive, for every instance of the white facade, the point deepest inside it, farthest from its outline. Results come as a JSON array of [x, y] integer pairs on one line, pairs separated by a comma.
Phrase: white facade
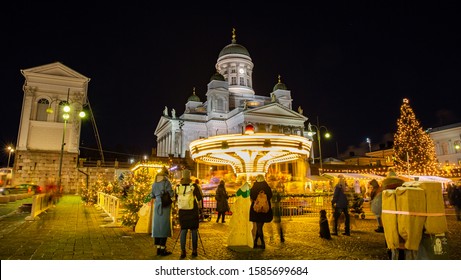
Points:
[[447, 140], [42, 130], [230, 105], [46, 89]]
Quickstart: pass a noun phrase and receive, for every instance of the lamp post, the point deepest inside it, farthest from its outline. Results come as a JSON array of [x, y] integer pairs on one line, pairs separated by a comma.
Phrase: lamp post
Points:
[[369, 143], [311, 133], [10, 150], [66, 115]]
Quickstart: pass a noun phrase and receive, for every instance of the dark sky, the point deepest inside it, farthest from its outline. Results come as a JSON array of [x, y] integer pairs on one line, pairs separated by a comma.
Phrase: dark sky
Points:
[[348, 64]]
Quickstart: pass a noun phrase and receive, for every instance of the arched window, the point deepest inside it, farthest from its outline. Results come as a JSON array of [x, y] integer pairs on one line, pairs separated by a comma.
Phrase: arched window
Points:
[[42, 105], [61, 111]]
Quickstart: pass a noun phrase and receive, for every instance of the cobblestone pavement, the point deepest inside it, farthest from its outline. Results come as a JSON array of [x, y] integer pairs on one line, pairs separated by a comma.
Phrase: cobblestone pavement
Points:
[[74, 231]]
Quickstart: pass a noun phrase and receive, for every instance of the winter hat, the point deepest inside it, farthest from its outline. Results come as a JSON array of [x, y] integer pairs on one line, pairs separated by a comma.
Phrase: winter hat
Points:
[[391, 173], [374, 183], [185, 177], [260, 178]]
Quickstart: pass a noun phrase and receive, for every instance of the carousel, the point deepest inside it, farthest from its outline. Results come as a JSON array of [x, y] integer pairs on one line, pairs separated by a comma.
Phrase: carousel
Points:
[[250, 154]]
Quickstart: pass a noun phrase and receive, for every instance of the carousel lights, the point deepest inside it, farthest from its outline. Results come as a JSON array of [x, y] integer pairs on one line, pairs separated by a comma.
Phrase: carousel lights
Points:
[[292, 143], [250, 153]]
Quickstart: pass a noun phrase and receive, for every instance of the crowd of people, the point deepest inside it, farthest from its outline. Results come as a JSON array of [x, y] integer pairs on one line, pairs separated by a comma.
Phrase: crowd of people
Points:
[[272, 194]]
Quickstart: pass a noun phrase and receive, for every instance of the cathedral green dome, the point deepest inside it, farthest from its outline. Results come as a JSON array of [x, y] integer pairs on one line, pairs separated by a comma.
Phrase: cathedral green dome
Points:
[[279, 85], [217, 77], [193, 97], [234, 48]]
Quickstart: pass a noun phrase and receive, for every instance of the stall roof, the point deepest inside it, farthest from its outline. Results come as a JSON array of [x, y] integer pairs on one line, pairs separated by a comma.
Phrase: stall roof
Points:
[[355, 176], [426, 178]]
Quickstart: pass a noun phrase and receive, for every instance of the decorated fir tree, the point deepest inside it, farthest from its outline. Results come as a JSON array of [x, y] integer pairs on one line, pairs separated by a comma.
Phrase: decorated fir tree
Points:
[[136, 196], [414, 150], [89, 194]]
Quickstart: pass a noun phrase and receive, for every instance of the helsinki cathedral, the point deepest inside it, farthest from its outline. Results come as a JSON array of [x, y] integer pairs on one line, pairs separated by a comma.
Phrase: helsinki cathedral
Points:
[[230, 107]]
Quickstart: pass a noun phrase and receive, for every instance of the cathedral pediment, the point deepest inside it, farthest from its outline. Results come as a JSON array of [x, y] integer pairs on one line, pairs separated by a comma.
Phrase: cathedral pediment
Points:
[[274, 110], [53, 69], [162, 125]]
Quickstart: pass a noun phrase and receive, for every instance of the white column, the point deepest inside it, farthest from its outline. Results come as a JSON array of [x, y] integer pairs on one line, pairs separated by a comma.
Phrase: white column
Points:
[[24, 125]]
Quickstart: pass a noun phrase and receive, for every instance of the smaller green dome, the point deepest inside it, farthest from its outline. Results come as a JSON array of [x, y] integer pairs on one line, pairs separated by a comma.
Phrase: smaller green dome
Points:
[[279, 85], [193, 97], [217, 77]]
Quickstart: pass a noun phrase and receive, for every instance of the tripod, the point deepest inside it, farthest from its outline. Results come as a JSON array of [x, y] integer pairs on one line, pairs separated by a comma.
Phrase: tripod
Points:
[[190, 240]]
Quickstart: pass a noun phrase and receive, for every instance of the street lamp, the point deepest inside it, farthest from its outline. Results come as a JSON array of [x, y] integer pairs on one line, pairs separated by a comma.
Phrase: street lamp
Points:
[[10, 150], [311, 133], [66, 115], [369, 143]]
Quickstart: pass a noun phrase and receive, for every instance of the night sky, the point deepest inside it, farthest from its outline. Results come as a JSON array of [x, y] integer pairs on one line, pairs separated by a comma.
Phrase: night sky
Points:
[[348, 64]]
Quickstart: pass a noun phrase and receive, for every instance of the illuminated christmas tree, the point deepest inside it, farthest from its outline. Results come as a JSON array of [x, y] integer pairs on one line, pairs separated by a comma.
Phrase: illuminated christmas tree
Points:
[[414, 150], [136, 197]]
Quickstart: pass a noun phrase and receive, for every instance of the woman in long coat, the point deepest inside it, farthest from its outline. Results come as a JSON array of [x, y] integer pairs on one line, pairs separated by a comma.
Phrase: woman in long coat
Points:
[[222, 205], [260, 218], [376, 203], [161, 224]]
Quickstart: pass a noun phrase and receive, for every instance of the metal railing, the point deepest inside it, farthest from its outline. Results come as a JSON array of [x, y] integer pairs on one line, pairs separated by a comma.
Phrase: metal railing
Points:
[[110, 205], [291, 205], [40, 203]]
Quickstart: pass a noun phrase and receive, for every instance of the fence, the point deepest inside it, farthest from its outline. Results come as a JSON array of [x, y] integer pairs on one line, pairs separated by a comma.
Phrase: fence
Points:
[[40, 203], [292, 205], [110, 205]]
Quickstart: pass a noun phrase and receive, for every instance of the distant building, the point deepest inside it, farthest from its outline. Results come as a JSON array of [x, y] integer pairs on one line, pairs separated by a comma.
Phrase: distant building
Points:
[[447, 140]]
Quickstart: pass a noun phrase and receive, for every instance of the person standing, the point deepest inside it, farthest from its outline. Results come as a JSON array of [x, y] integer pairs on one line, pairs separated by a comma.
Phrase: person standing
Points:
[[357, 187], [260, 217], [391, 182], [340, 205], [196, 184], [456, 200], [189, 218], [376, 203], [161, 224], [222, 205], [277, 209]]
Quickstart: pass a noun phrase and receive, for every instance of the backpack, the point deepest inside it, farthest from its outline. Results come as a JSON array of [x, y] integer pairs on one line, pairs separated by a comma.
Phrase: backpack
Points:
[[185, 197], [261, 204]]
